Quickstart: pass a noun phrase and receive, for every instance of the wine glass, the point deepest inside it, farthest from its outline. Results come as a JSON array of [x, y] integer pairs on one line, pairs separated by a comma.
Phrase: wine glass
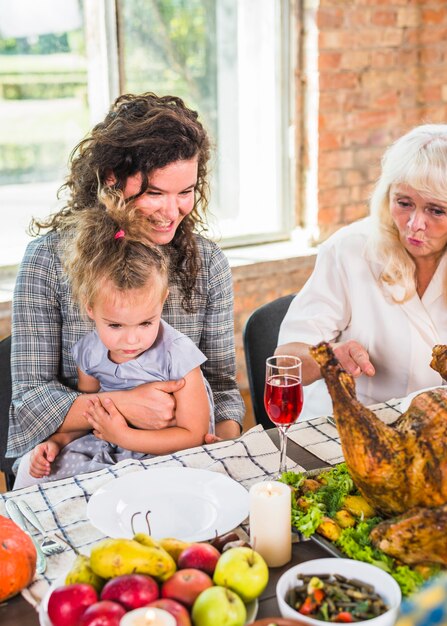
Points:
[[283, 398]]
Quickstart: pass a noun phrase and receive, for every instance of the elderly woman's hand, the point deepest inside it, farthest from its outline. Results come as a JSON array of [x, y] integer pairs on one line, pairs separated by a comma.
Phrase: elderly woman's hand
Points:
[[150, 406], [353, 358]]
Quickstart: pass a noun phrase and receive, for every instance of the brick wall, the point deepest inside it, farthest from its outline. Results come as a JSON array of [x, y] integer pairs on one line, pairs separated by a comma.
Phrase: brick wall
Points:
[[382, 70]]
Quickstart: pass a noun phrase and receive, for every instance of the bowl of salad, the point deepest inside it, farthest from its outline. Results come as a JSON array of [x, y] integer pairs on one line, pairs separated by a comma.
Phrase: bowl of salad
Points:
[[338, 590]]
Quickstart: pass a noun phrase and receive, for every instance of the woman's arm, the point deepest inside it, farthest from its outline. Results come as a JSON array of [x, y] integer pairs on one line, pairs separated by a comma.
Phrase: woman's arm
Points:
[[86, 384], [352, 356], [43, 383], [217, 343], [192, 420], [310, 370], [147, 407]]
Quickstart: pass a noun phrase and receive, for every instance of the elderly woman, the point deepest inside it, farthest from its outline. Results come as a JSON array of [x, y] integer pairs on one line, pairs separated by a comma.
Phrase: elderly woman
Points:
[[378, 290]]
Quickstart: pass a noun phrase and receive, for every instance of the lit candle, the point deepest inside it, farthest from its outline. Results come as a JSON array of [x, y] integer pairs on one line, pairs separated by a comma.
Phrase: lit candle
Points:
[[148, 616], [270, 522]]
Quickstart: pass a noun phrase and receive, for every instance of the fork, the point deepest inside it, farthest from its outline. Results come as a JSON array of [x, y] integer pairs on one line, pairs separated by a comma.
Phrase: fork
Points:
[[49, 545]]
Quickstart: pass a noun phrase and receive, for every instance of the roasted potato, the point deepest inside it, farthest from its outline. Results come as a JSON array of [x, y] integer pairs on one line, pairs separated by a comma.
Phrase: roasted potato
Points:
[[358, 506], [329, 529], [310, 484], [344, 518]]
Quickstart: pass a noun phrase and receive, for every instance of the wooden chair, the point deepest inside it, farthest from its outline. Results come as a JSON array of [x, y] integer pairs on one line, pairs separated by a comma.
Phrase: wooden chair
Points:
[[260, 337]]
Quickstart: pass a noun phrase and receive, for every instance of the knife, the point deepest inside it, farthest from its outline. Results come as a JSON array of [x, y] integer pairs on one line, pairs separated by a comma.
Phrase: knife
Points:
[[17, 517]]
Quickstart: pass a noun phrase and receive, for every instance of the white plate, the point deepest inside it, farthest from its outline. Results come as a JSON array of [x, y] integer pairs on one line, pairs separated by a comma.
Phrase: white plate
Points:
[[186, 503], [405, 403], [44, 620]]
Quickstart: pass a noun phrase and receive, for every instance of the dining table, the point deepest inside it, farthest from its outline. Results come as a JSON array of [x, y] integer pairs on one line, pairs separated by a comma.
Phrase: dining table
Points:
[[311, 445]]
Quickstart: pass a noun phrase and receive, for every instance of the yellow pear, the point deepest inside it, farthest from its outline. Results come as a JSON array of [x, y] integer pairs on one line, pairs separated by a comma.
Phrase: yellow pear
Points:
[[81, 572], [146, 540], [174, 546], [116, 557]]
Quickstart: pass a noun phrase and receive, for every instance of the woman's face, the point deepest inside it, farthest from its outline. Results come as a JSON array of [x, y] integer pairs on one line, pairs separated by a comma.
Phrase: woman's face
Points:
[[168, 199], [421, 221]]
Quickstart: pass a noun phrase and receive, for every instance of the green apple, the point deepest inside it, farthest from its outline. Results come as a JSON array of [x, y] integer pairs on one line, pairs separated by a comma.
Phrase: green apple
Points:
[[218, 606], [244, 571]]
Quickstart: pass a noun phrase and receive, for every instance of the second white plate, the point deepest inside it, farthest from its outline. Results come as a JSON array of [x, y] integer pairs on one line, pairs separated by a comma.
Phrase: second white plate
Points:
[[186, 503]]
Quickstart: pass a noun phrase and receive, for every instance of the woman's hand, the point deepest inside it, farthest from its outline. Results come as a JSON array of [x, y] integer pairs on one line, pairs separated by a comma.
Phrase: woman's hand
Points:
[[353, 358], [150, 406]]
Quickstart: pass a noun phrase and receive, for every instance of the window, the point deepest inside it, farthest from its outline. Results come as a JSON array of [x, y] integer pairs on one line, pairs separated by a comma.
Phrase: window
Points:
[[229, 59], [43, 108]]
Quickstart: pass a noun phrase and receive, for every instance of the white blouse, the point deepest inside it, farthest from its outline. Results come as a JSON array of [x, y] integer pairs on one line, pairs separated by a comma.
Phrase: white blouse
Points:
[[343, 299]]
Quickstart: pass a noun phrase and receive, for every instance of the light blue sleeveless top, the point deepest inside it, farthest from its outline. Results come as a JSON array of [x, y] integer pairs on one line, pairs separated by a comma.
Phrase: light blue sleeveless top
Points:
[[171, 357]]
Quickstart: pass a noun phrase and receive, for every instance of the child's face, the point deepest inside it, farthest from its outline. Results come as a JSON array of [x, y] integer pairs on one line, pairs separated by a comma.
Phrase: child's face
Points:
[[127, 324]]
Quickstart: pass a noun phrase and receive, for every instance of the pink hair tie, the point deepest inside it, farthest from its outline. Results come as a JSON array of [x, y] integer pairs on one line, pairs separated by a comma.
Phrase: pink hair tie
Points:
[[119, 234]]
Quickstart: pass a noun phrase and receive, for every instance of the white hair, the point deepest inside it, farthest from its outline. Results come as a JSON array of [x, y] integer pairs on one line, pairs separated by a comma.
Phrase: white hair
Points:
[[417, 159]]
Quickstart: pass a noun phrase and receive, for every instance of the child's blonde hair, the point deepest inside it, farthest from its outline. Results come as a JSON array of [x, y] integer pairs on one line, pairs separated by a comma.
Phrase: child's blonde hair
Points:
[[110, 243]]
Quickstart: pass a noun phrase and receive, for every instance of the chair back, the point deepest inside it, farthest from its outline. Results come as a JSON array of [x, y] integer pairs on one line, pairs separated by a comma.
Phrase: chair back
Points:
[[5, 401], [260, 337]]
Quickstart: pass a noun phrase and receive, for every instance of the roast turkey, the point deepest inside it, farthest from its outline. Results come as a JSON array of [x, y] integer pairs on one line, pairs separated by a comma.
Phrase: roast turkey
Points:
[[399, 468]]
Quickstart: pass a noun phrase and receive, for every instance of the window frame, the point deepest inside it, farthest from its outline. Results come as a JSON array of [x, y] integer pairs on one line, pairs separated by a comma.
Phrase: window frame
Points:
[[103, 33]]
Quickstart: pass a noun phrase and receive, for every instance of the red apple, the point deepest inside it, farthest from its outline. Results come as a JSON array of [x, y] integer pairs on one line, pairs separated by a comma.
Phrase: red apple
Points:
[[67, 604], [103, 613], [131, 590], [174, 608], [202, 556], [185, 585]]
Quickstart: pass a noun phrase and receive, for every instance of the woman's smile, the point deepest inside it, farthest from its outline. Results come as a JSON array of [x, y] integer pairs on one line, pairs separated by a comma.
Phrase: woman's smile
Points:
[[169, 198]]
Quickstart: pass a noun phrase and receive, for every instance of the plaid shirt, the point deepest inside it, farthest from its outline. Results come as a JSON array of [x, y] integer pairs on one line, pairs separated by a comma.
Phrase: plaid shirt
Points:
[[46, 324]]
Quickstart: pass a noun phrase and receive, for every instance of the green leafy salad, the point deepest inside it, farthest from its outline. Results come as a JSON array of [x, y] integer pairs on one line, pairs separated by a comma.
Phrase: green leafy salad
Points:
[[329, 504]]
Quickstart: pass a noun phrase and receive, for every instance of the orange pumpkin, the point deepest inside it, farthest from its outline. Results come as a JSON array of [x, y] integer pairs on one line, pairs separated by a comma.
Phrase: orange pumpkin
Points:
[[17, 559]]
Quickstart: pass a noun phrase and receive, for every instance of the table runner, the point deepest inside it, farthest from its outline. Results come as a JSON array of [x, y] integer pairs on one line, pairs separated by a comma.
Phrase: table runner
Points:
[[61, 505], [320, 436]]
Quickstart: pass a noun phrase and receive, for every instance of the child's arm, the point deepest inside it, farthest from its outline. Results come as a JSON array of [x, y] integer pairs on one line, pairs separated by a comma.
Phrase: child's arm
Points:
[[44, 453], [192, 421], [86, 383]]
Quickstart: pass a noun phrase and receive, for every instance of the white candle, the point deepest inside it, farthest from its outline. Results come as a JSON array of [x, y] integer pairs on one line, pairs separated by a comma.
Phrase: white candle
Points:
[[270, 522], [148, 616]]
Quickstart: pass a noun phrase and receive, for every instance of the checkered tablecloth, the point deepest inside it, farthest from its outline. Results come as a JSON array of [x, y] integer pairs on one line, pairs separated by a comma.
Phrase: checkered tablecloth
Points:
[[61, 506]]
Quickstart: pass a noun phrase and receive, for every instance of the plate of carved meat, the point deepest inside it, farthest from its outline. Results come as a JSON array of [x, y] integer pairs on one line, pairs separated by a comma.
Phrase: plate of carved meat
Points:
[[186, 503]]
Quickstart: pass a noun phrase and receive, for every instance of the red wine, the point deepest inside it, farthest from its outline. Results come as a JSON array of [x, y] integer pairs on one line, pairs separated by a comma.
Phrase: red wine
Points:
[[283, 399]]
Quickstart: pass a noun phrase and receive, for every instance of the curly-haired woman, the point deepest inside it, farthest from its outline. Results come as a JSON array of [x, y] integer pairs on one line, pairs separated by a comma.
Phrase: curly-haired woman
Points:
[[155, 150]]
